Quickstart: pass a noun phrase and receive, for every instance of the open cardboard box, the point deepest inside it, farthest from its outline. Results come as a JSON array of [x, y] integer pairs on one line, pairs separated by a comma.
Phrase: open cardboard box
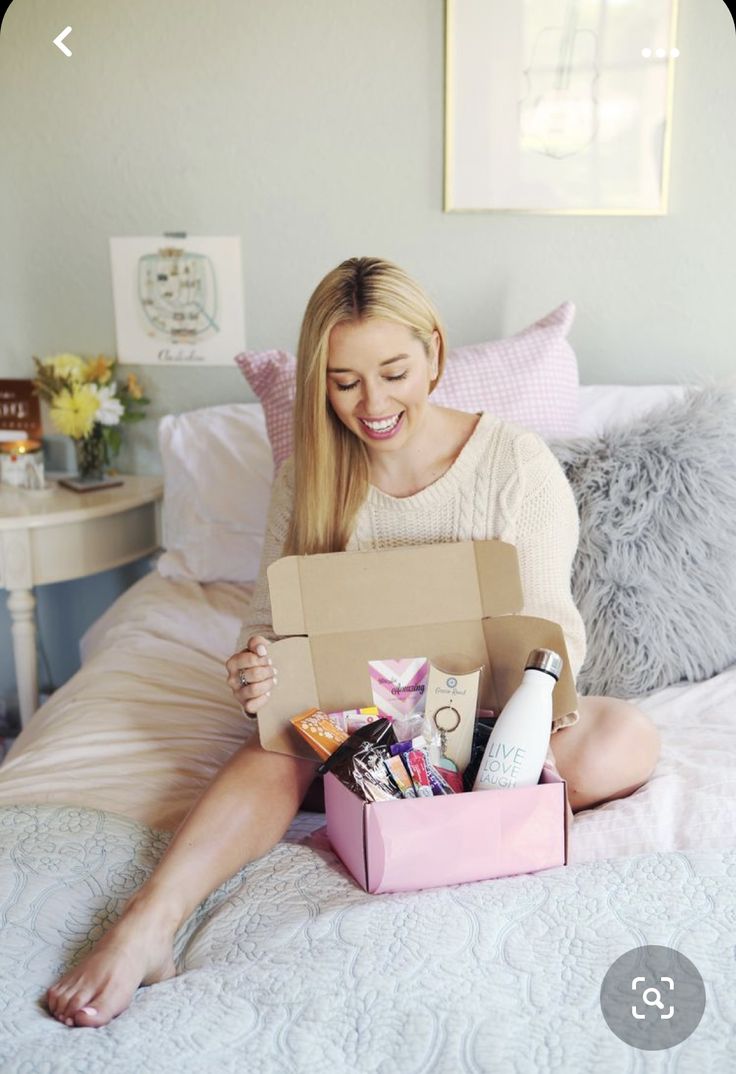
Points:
[[449, 602]]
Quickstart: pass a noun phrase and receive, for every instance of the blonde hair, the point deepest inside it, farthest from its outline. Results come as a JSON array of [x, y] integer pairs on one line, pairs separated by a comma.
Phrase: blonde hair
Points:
[[330, 462]]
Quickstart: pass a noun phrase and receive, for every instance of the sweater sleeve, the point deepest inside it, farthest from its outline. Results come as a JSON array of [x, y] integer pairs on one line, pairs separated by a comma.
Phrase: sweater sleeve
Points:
[[258, 617], [547, 531]]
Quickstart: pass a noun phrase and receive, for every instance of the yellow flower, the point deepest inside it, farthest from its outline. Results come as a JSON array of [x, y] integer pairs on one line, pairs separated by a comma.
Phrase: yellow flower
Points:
[[67, 366], [99, 369], [73, 411], [134, 387]]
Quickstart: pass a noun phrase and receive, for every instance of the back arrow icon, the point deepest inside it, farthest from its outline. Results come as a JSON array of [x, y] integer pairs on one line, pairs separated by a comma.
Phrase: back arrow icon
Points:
[[59, 41]]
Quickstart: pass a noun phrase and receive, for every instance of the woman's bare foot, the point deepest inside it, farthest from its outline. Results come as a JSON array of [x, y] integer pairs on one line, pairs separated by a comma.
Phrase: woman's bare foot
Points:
[[137, 950]]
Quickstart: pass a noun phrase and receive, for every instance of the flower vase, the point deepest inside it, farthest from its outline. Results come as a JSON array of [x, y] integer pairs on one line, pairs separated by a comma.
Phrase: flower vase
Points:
[[92, 456]]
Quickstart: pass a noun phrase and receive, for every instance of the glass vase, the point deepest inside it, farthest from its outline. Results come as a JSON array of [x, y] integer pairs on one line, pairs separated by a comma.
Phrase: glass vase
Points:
[[92, 456]]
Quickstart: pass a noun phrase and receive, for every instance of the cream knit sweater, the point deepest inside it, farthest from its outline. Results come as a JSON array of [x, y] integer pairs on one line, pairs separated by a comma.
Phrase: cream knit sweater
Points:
[[505, 484]]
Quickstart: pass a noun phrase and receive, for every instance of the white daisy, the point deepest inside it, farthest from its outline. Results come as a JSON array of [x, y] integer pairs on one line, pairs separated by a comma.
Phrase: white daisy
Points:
[[111, 409]]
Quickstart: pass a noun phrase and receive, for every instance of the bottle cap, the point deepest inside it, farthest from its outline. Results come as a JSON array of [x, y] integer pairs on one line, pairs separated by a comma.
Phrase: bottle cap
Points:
[[544, 660]]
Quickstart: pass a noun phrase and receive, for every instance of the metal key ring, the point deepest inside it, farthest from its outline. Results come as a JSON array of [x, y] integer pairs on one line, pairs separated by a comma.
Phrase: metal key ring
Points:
[[447, 730]]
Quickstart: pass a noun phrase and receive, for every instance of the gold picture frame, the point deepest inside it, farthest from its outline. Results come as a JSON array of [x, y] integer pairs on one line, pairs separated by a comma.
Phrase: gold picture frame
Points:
[[559, 107]]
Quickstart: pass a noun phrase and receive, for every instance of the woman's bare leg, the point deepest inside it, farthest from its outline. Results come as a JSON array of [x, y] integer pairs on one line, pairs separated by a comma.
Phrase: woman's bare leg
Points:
[[242, 814], [609, 753]]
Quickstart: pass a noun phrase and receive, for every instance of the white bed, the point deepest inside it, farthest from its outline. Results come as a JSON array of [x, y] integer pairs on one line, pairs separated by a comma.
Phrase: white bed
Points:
[[290, 966]]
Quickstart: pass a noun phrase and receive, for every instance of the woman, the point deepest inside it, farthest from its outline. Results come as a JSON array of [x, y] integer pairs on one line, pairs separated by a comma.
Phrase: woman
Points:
[[375, 465]]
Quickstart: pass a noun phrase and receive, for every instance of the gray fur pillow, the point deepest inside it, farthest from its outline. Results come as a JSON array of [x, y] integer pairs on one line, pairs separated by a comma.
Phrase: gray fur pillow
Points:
[[655, 572]]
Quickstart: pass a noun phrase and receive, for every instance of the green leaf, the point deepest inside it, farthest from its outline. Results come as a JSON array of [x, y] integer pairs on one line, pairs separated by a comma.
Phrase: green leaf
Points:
[[115, 440]]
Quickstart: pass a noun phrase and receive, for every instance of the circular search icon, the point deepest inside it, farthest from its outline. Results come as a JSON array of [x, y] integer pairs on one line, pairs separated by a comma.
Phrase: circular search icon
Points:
[[653, 1002], [653, 997]]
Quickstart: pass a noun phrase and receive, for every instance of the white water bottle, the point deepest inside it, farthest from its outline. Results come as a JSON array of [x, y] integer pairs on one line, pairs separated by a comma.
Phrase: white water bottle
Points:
[[517, 747]]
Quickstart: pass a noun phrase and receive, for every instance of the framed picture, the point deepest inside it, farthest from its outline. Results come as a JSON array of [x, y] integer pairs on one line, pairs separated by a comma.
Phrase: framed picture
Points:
[[559, 106], [20, 410], [178, 299]]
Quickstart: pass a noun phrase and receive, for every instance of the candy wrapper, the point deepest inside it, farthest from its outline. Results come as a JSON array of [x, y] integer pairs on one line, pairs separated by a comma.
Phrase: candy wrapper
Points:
[[410, 744], [400, 776], [374, 738], [320, 732], [371, 776], [416, 762]]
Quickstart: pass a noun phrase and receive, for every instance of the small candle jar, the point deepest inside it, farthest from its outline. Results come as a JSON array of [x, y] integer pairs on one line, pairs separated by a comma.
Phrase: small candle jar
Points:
[[21, 464]]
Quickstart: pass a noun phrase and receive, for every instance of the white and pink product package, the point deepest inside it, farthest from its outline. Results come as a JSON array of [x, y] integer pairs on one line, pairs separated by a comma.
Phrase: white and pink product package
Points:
[[399, 687]]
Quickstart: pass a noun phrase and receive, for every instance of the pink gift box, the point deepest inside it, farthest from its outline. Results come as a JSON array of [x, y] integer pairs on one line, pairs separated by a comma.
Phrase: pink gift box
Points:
[[413, 843]]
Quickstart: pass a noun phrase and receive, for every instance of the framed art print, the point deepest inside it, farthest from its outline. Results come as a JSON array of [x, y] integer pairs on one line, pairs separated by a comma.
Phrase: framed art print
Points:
[[178, 299], [559, 106]]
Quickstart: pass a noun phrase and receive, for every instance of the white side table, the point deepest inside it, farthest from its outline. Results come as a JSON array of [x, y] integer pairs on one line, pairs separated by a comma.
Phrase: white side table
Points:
[[59, 535]]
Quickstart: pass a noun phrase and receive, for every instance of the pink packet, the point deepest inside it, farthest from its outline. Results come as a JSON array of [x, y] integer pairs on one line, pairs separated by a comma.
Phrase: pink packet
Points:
[[416, 761], [400, 776], [350, 720], [398, 687]]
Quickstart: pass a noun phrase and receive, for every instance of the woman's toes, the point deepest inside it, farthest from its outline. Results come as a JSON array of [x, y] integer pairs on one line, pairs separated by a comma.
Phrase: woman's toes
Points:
[[76, 1001], [89, 1016], [52, 998], [135, 951], [69, 1001], [62, 1003], [101, 1011], [62, 1006], [57, 1003]]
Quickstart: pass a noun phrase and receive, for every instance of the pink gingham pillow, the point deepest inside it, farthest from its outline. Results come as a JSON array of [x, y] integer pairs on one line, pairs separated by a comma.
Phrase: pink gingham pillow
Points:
[[530, 379], [272, 378]]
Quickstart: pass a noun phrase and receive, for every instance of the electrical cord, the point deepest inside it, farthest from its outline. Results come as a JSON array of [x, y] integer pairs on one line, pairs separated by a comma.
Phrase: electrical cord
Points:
[[49, 688]]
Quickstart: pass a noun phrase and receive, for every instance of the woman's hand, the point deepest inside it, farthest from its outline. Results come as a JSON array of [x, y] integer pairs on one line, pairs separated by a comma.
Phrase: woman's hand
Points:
[[250, 675]]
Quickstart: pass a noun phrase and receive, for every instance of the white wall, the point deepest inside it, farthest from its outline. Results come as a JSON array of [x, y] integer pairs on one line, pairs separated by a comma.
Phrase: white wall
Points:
[[315, 131]]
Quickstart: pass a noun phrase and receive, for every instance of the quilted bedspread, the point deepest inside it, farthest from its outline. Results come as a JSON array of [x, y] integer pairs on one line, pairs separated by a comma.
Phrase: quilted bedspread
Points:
[[289, 966]]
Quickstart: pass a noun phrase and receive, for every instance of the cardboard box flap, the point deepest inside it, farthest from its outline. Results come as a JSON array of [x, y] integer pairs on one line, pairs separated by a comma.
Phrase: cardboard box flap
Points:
[[331, 671], [296, 692], [509, 642], [284, 586], [455, 603], [409, 586]]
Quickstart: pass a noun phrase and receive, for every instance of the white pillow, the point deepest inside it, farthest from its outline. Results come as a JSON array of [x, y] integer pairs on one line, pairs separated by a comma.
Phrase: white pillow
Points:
[[218, 471], [604, 406]]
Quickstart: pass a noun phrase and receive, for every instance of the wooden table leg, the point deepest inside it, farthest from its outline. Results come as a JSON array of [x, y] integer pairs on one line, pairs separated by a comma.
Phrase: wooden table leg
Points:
[[21, 605]]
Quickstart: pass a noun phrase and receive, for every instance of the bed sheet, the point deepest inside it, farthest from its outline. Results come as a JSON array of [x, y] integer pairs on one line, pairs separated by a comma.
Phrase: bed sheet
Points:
[[290, 967], [144, 725], [149, 719]]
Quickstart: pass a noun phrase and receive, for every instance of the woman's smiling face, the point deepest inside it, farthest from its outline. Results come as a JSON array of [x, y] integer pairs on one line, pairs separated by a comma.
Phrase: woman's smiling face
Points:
[[378, 379]]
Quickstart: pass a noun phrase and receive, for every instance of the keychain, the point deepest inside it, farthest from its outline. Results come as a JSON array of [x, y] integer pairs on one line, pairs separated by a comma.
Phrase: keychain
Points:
[[453, 719], [452, 704]]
